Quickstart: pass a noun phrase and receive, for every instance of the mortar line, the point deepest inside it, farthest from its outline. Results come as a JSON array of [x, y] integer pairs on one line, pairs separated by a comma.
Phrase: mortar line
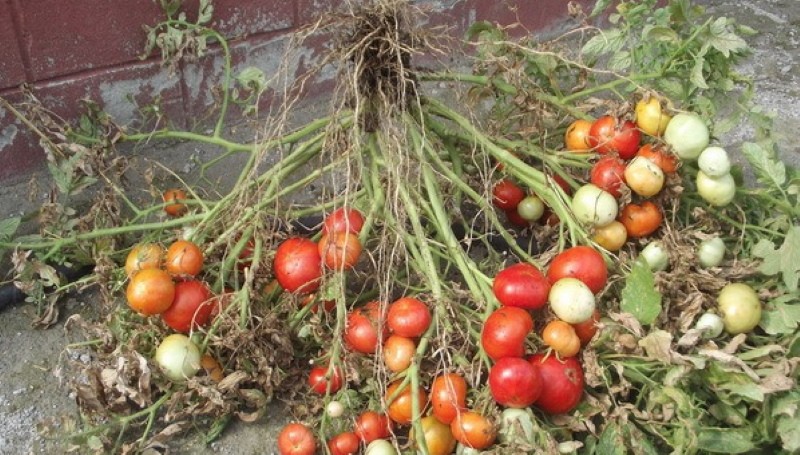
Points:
[[17, 22]]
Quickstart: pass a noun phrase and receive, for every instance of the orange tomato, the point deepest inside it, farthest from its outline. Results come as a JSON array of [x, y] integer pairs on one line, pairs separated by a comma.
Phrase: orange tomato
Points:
[[473, 430], [576, 139], [184, 258], [398, 352], [448, 396], [144, 256], [662, 158], [561, 337], [399, 409], [339, 250], [150, 292], [212, 368], [172, 198], [438, 438], [612, 236], [641, 220]]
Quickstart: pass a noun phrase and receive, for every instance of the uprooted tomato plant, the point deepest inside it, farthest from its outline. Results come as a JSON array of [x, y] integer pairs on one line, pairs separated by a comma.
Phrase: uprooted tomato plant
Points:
[[565, 259]]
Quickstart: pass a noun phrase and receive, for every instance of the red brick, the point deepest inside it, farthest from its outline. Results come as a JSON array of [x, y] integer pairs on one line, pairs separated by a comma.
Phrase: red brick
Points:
[[309, 11], [20, 151], [12, 68], [533, 15], [236, 18]]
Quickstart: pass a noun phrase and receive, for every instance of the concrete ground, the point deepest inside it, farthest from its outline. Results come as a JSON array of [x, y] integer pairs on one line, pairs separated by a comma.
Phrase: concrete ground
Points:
[[30, 393]]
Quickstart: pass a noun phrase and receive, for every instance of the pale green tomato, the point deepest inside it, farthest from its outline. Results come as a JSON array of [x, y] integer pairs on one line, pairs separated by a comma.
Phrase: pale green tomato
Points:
[[571, 300], [464, 450], [716, 191], [714, 162], [531, 208], [711, 252], [178, 357], [710, 324], [334, 409], [687, 135], [593, 206], [655, 254], [380, 447], [740, 308]]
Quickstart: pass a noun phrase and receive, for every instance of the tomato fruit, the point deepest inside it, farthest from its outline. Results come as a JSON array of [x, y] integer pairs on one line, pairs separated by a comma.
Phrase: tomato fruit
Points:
[[150, 292], [313, 299], [448, 396], [710, 325], [143, 256], [398, 352], [400, 408], [581, 262], [588, 328], [516, 219], [343, 220], [380, 447], [718, 191], [370, 426], [296, 439], [346, 443], [473, 430], [297, 265], [656, 256], [339, 250], [576, 139], [408, 317], [740, 308], [178, 357], [530, 208], [594, 206], [562, 338], [612, 236], [173, 199], [714, 162], [506, 195], [364, 330], [212, 368], [521, 285], [562, 383], [504, 332], [710, 252], [608, 174], [641, 220], [318, 379], [516, 426], [191, 307], [609, 135], [650, 116], [438, 438], [514, 382], [571, 300], [644, 177], [688, 135], [663, 159], [184, 258]]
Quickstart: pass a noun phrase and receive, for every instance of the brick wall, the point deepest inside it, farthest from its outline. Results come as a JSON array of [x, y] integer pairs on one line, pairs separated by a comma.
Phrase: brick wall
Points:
[[67, 50]]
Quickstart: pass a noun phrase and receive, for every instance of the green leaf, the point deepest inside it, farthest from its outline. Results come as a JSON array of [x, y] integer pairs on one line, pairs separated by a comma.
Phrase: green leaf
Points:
[[599, 7], [659, 33], [620, 61], [8, 227], [722, 38], [783, 260], [205, 12], [604, 43], [611, 441], [769, 170], [780, 318], [789, 431], [696, 77], [747, 390], [725, 440], [640, 297]]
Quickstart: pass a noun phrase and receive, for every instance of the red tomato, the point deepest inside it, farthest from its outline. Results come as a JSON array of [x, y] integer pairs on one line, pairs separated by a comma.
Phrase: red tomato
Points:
[[583, 263], [340, 250], [297, 265], [184, 258], [150, 291], [400, 408], [398, 353], [562, 383], [473, 430], [408, 317], [364, 330], [343, 220], [370, 426], [521, 285], [609, 174], [448, 396], [641, 220], [296, 439], [514, 382], [344, 444], [318, 379], [191, 307], [662, 158], [515, 218], [608, 135], [507, 194], [586, 329], [504, 332]]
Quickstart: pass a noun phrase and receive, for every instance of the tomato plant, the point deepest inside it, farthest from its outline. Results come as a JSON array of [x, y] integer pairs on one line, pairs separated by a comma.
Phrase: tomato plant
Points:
[[343, 220], [644, 177], [576, 139], [191, 307], [345, 443], [581, 262], [370, 426], [610, 135], [521, 285], [297, 265], [608, 174], [319, 381], [448, 396], [473, 430], [562, 338], [173, 199], [150, 292], [184, 258], [718, 191], [144, 256], [530, 208], [408, 317], [594, 206], [178, 357], [504, 332], [687, 134], [296, 439], [714, 162], [506, 195], [650, 116], [562, 383], [364, 330], [571, 300], [400, 402], [398, 352], [641, 220], [514, 382], [665, 160], [339, 250], [739, 307], [588, 328], [438, 438]]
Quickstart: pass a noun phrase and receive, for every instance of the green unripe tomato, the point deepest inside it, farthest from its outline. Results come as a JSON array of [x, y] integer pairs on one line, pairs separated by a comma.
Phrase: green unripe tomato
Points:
[[711, 252], [688, 135], [717, 191], [739, 307], [531, 208]]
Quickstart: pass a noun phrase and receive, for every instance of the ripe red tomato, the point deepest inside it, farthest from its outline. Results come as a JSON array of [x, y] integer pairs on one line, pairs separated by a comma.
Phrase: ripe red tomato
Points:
[[473, 430], [521, 285], [313, 299], [184, 258], [586, 329], [514, 382], [576, 139], [191, 307], [507, 194], [661, 157], [400, 408], [297, 265], [318, 380], [609, 174], [448, 396], [296, 439], [609, 135], [562, 383], [516, 219], [370, 426], [398, 352], [340, 250], [583, 263], [408, 317], [344, 444], [150, 291], [343, 220], [641, 220], [504, 332], [364, 330], [173, 199]]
